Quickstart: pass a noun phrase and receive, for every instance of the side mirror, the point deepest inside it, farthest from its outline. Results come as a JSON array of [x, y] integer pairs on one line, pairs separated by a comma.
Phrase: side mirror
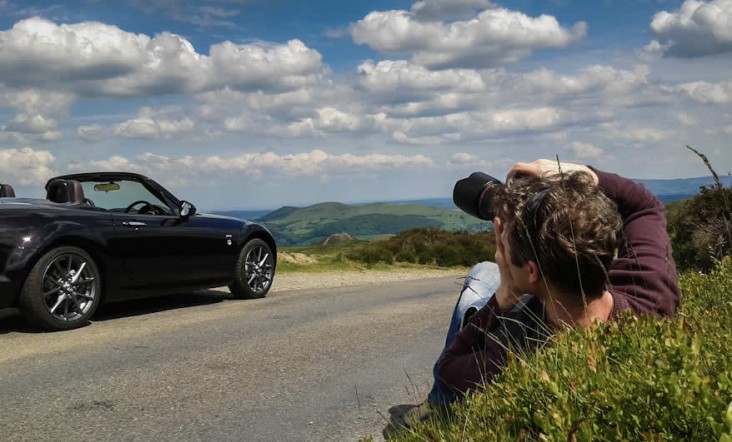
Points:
[[187, 209]]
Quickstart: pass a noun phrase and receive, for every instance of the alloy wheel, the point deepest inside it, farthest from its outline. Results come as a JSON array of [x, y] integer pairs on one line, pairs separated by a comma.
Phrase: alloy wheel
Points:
[[69, 288], [258, 269]]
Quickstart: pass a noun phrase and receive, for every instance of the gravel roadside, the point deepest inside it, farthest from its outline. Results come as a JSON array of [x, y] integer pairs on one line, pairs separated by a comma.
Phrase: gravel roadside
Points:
[[310, 280]]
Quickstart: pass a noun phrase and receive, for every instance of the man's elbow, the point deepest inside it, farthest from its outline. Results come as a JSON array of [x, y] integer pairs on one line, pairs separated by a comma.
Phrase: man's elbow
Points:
[[446, 373], [460, 376]]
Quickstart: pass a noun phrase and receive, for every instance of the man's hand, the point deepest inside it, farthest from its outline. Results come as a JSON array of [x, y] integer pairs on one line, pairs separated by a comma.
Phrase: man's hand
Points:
[[547, 168], [507, 294]]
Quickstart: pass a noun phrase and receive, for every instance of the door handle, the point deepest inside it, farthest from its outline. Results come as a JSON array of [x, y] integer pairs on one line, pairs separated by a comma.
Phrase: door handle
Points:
[[133, 223]]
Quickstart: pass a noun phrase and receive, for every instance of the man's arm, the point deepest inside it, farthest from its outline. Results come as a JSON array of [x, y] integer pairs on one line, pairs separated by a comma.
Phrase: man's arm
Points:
[[479, 351], [466, 363], [643, 278]]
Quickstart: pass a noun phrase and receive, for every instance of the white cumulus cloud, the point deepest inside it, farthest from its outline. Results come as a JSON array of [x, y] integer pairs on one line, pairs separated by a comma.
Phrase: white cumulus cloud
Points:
[[38, 112], [46, 67], [640, 135], [34, 124], [599, 79], [516, 120], [148, 126], [90, 133], [261, 66], [437, 10], [328, 120], [698, 28], [586, 151], [708, 93], [463, 161], [313, 163], [26, 166], [492, 38], [392, 76], [92, 58]]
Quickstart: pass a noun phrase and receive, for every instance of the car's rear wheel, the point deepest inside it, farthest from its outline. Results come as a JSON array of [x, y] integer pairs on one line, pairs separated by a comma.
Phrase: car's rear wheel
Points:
[[62, 290], [254, 270]]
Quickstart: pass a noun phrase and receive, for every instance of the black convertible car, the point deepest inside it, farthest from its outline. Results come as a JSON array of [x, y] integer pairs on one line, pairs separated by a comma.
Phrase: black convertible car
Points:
[[112, 236]]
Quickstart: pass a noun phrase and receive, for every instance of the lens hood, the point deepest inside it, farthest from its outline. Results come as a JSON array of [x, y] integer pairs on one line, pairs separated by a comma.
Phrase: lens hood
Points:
[[474, 195]]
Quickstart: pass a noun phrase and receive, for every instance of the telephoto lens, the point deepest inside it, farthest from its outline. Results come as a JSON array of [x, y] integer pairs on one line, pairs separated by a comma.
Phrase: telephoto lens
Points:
[[474, 195]]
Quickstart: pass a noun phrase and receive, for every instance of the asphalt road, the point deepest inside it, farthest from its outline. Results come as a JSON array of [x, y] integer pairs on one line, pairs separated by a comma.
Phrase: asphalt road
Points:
[[308, 365]]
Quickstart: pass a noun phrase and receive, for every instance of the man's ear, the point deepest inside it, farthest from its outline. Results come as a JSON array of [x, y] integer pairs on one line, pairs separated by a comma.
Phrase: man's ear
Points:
[[533, 271]]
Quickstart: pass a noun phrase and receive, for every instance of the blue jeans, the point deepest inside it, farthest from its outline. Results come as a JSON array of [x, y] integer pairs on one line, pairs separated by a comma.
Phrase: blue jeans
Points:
[[480, 285]]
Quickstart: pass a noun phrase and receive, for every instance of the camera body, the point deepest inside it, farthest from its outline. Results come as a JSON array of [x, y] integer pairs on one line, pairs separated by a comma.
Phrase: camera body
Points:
[[474, 195]]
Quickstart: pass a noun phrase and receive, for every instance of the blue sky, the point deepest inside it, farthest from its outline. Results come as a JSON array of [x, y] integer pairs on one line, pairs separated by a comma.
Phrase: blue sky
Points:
[[259, 104]]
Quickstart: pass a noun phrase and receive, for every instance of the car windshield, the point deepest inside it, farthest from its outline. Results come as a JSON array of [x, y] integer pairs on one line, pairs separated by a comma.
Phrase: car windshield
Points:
[[119, 196]]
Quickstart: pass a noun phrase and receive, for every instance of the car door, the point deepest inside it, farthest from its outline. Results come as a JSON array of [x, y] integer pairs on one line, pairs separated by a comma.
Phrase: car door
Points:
[[167, 250]]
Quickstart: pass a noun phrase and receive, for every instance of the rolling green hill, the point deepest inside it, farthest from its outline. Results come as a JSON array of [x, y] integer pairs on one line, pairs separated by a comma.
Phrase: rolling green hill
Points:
[[308, 225]]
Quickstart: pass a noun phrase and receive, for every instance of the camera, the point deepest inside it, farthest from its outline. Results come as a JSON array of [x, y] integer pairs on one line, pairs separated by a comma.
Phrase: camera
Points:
[[474, 195]]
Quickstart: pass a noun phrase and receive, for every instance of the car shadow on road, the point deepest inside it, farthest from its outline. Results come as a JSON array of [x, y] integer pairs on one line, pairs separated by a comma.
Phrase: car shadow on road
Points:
[[11, 321], [145, 306]]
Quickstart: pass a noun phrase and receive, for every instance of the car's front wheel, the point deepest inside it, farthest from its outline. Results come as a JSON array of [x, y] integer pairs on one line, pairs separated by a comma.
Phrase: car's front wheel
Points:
[[254, 270], [62, 290]]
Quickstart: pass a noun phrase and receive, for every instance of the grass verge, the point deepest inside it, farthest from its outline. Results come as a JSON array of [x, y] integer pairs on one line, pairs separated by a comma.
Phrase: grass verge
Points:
[[637, 379], [341, 257]]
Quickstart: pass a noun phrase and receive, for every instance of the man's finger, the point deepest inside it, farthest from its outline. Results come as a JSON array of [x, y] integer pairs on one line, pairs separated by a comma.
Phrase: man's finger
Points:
[[533, 168]]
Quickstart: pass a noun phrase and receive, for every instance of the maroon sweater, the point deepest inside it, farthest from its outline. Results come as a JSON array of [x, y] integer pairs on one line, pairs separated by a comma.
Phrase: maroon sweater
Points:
[[643, 279]]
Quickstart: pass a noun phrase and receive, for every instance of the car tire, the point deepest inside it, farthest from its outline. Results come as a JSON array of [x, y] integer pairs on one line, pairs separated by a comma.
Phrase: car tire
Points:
[[62, 290], [254, 271]]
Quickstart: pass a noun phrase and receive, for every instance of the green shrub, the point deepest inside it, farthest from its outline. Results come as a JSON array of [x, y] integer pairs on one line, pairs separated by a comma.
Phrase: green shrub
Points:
[[700, 229], [636, 379], [429, 246]]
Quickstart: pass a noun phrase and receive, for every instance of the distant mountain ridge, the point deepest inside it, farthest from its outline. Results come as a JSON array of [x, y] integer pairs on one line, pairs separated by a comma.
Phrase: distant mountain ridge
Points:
[[669, 190], [308, 225]]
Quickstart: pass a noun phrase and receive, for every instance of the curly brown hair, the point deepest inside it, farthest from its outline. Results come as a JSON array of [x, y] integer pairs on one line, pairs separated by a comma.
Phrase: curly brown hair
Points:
[[566, 225]]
